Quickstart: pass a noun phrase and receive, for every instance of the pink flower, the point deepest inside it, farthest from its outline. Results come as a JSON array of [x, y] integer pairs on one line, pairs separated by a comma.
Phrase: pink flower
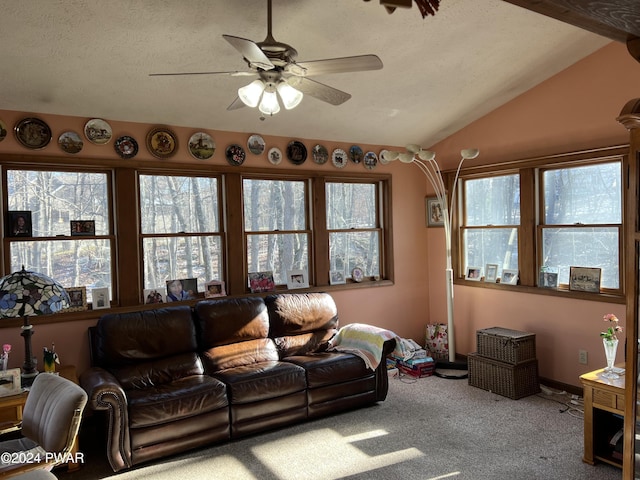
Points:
[[6, 348], [610, 332]]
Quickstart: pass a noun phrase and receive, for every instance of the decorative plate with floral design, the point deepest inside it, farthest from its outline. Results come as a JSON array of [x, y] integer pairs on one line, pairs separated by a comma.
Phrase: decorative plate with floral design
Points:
[[162, 142], [235, 155], [126, 147], [275, 155], [33, 133]]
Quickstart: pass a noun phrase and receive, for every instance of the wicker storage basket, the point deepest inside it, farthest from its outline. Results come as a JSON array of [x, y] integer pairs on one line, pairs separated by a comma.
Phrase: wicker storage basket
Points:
[[506, 345], [513, 381]]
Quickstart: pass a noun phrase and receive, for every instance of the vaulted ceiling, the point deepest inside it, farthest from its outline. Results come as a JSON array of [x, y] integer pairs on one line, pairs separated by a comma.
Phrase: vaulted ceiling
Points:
[[93, 59]]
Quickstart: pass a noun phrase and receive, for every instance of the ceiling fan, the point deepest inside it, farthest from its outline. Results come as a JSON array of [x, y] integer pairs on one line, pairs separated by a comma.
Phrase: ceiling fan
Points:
[[274, 66]]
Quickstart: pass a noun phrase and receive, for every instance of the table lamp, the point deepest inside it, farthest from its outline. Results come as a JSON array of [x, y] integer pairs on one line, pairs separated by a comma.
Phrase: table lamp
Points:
[[24, 294]]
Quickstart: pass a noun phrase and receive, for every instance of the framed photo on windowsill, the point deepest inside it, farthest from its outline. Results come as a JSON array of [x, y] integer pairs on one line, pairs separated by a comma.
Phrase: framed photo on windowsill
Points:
[[491, 272], [509, 277], [297, 279], [77, 299], [19, 224], [584, 279], [214, 288], [100, 298], [473, 274], [434, 211]]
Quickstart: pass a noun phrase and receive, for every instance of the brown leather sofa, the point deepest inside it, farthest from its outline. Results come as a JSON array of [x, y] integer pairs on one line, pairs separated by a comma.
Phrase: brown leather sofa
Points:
[[181, 377]]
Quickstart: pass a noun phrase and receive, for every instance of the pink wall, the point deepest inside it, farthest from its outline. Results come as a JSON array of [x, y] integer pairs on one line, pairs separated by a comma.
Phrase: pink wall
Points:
[[402, 307], [574, 110]]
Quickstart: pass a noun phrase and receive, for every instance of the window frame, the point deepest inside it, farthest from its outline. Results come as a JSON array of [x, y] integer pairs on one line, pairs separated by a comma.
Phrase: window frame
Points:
[[529, 238]]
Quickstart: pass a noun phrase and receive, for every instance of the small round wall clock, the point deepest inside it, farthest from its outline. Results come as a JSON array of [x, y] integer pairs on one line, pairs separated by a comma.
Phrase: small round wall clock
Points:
[[70, 142], [162, 142], [235, 155], [357, 275], [33, 133], [126, 147]]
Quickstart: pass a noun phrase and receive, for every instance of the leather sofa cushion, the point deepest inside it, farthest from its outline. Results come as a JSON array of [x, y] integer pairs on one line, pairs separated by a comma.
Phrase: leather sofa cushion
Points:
[[262, 381], [126, 338], [239, 354], [329, 368], [302, 323], [230, 320], [296, 313], [182, 398], [159, 372]]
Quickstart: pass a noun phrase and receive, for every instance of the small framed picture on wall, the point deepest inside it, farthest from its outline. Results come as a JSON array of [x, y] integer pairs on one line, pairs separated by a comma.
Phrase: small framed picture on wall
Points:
[[19, 224], [435, 212]]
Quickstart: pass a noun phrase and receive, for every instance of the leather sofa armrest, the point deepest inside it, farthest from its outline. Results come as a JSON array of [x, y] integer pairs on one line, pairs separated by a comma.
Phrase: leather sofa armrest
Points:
[[106, 393], [382, 376]]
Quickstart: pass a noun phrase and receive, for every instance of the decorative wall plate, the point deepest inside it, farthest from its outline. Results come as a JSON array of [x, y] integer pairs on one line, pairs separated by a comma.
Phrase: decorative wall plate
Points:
[[320, 154], [357, 275], [33, 133], [370, 160], [275, 155], [339, 158], [235, 155], [70, 142], [162, 142], [201, 146], [97, 131], [355, 154], [382, 158], [256, 144], [296, 152], [3, 130], [126, 147]]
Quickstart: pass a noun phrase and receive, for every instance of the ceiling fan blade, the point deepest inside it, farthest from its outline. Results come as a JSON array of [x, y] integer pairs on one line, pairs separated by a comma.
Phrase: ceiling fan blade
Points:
[[319, 90], [233, 74], [358, 63], [236, 104], [251, 52]]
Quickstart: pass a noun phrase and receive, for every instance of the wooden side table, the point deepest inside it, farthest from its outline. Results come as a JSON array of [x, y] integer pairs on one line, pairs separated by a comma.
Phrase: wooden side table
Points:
[[603, 416]]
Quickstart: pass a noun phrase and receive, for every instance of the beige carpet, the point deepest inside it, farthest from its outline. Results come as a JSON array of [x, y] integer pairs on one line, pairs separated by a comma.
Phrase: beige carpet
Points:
[[431, 428]]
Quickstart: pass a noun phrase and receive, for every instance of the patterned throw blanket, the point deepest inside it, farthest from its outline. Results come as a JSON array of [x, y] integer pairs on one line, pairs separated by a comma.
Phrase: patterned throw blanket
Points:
[[365, 341]]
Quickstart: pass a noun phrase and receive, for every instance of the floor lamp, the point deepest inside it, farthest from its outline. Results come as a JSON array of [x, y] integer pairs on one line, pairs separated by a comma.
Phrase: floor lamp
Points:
[[425, 160], [24, 294]]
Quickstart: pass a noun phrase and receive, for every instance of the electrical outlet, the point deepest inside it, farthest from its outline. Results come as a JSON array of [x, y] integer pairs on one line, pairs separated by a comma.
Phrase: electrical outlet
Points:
[[582, 357]]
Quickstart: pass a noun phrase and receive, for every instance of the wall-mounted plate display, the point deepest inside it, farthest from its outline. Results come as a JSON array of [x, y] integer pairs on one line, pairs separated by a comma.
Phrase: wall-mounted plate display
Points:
[[201, 146], [97, 131], [296, 152], [33, 133], [382, 157], [235, 155], [70, 142], [320, 154], [3, 130], [162, 142], [339, 158], [126, 147], [355, 154], [256, 144], [274, 155], [370, 160]]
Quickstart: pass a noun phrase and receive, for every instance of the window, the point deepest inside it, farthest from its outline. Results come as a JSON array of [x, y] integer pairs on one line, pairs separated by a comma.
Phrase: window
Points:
[[55, 198], [276, 226], [180, 226], [582, 220], [491, 222], [353, 222], [545, 214]]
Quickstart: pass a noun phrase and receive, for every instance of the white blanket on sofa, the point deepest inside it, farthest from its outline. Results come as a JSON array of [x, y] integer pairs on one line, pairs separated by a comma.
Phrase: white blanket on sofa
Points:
[[365, 341]]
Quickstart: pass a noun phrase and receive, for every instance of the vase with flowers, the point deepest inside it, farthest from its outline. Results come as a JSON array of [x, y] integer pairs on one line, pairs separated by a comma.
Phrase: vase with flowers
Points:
[[610, 343]]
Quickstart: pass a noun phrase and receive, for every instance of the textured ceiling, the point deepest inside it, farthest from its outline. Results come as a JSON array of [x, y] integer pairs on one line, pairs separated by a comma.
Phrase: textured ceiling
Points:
[[92, 59]]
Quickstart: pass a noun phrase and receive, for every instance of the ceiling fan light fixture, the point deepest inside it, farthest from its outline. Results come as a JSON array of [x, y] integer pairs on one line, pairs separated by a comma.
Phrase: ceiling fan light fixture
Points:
[[250, 94], [291, 97], [269, 104]]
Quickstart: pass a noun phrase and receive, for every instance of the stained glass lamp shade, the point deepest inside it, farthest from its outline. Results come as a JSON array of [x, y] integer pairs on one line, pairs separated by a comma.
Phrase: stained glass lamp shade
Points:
[[23, 294]]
